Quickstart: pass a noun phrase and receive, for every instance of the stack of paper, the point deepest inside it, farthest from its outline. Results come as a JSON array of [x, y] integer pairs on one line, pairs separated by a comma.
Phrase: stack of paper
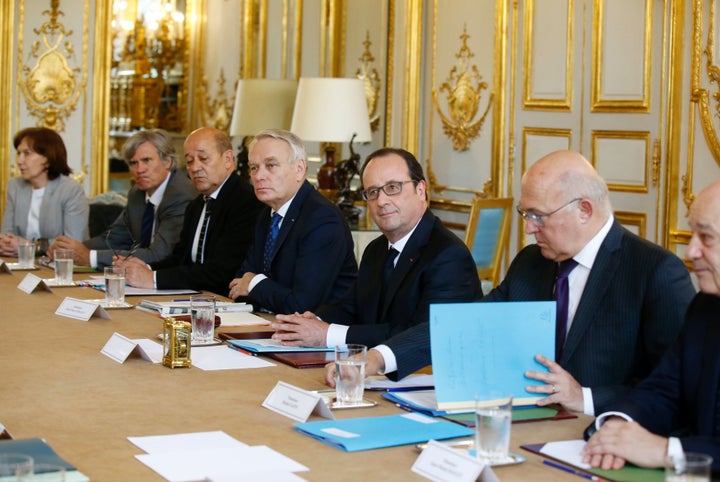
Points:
[[211, 456], [178, 307]]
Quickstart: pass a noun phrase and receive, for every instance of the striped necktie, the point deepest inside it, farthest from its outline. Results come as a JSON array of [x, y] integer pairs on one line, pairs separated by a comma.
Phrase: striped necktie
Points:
[[199, 258], [270, 242]]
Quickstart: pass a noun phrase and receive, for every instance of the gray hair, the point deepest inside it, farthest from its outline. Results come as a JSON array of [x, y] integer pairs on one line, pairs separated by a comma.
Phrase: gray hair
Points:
[[581, 185], [158, 138], [296, 145]]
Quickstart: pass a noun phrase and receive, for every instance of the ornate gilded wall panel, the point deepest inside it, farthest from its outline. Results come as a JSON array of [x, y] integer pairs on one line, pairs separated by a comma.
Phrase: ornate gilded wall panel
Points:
[[633, 221], [621, 56], [622, 158], [539, 141], [548, 54]]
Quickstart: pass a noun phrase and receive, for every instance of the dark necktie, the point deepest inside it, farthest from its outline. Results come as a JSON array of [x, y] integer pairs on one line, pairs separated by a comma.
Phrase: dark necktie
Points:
[[562, 295], [387, 272], [203, 230], [270, 242], [147, 224]]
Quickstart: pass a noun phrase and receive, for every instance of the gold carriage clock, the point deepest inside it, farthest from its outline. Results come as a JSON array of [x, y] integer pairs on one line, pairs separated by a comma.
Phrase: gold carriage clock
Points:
[[176, 350]]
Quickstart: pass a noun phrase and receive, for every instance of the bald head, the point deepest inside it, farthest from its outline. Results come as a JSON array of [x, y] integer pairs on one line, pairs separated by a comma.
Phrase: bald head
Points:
[[570, 197], [704, 247]]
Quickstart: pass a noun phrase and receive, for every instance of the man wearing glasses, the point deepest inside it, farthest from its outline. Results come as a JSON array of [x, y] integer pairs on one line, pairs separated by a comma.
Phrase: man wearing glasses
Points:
[[149, 226], [416, 261], [624, 299]]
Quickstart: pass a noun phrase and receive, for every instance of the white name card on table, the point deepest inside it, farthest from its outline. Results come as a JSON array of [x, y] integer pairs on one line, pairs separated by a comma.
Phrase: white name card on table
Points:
[[119, 348], [442, 463], [4, 268], [81, 310], [296, 403], [31, 283]]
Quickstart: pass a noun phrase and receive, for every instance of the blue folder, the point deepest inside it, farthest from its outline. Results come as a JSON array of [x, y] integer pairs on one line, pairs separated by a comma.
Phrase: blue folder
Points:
[[355, 434], [482, 350]]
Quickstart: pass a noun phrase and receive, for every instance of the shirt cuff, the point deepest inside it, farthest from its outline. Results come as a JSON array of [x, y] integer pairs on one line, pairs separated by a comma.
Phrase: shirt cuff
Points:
[[336, 334], [256, 279], [93, 259], [588, 404], [154, 279], [675, 451], [603, 416], [388, 357]]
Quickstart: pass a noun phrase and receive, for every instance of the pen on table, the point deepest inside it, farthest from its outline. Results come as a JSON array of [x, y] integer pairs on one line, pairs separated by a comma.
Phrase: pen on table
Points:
[[241, 350], [572, 470]]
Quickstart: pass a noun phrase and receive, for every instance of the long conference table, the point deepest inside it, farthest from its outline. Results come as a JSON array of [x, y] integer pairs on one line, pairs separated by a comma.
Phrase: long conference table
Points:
[[56, 385]]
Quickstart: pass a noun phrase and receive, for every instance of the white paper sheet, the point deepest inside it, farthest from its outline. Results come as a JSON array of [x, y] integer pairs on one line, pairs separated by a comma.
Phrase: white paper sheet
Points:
[[186, 441], [181, 466], [223, 358], [569, 451]]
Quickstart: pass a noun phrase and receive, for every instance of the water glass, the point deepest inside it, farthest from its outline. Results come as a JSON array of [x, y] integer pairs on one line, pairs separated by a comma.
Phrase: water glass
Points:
[[26, 253], [695, 468], [202, 309], [63, 266], [114, 285], [50, 472], [492, 428], [350, 373], [16, 467]]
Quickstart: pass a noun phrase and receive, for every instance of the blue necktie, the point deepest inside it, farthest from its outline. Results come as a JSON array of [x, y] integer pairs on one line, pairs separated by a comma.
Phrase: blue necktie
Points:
[[270, 242], [562, 295], [147, 224], [203, 231]]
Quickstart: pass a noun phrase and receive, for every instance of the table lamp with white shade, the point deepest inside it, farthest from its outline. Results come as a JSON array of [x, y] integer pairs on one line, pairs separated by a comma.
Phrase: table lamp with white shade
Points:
[[261, 104], [333, 110]]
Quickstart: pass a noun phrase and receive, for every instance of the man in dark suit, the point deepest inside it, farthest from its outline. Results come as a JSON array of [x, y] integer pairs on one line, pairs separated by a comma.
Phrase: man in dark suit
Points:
[[415, 262], [217, 230], [302, 255], [677, 408], [150, 224], [626, 297]]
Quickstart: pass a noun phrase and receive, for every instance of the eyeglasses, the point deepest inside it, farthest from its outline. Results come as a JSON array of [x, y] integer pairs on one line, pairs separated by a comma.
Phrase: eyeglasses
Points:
[[539, 219], [392, 188]]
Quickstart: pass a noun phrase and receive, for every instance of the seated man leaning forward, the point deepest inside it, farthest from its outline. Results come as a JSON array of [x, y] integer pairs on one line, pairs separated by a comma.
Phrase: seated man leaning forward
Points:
[[149, 226], [676, 409], [626, 298], [217, 230], [302, 253], [416, 262]]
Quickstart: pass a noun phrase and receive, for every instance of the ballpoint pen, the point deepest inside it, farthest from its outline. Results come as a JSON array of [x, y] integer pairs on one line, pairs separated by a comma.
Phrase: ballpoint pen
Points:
[[571, 470]]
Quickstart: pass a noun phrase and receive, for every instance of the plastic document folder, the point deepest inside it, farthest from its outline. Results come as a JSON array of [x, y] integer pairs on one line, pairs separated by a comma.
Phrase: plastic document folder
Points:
[[355, 434], [481, 349], [267, 345]]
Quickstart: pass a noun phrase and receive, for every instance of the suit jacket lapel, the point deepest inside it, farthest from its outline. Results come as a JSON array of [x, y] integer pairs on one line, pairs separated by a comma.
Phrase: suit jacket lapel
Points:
[[410, 255], [709, 376], [601, 276], [290, 217]]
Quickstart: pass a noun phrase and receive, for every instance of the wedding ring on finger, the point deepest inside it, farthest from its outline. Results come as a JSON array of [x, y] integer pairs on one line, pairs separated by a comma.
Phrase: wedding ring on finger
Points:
[[554, 389]]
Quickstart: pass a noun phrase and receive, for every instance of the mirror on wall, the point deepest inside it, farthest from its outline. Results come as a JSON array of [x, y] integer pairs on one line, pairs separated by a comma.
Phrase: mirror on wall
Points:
[[147, 75]]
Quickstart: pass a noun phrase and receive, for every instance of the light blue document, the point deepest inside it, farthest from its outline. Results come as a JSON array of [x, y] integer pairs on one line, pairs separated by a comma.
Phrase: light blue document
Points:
[[482, 350], [268, 345], [367, 433]]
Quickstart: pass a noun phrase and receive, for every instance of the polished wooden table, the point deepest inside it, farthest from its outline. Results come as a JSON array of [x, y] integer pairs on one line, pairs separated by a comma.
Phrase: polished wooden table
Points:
[[56, 385]]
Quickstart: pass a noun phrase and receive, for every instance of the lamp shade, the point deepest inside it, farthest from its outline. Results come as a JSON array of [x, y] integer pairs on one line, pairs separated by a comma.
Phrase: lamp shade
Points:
[[331, 110], [262, 104]]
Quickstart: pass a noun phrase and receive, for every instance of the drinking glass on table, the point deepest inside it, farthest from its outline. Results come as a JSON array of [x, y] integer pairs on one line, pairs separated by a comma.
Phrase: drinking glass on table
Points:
[[16, 467], [693, 467], [202, 310], [26, 253], [350, 373], [114, 285], [492, 427], [64, 266]]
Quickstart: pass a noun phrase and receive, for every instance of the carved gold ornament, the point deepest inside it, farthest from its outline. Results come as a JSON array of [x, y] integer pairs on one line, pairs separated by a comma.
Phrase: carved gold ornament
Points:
[[371, 82], [463, 89], [50, 86], [216, 112], [702, 95]]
